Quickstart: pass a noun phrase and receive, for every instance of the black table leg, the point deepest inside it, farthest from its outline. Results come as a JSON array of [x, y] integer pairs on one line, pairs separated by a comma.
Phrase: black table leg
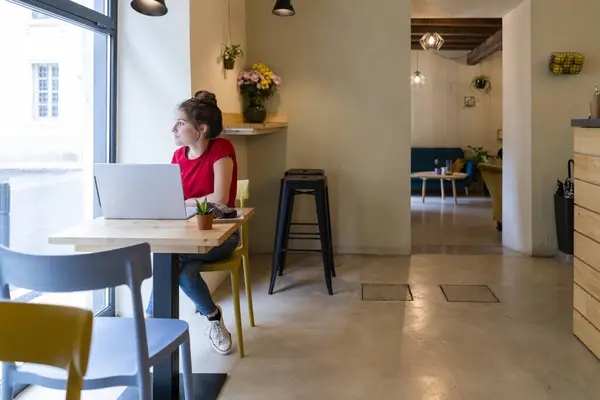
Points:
[[167, 383], [165, 281]]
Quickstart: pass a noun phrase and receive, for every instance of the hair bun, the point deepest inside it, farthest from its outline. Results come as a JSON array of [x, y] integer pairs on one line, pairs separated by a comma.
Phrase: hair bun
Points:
[[206, 97]]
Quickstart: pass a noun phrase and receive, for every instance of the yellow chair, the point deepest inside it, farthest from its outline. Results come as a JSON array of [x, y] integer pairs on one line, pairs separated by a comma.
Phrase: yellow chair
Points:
[[232, 265], [492, 176], [45, 334]]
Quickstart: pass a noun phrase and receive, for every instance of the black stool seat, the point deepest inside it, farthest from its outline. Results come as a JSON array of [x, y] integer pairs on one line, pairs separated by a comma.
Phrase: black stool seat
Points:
[[293, 184], [299, 171]]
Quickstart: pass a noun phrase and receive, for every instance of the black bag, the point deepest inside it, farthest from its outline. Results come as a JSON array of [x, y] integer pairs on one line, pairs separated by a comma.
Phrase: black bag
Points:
[[564, 211], [221, 211]]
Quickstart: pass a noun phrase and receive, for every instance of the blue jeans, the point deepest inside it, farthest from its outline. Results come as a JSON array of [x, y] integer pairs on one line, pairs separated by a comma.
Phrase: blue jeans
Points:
[[190, 280]]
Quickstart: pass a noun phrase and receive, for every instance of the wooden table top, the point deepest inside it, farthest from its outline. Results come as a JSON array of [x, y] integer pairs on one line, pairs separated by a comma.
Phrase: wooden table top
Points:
[[433, 175], [164, 236]]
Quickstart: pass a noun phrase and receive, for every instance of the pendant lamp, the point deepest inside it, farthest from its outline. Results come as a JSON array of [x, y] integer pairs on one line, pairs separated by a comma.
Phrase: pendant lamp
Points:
[[283, 8], [431, 41], [417, 79], [152, 8]]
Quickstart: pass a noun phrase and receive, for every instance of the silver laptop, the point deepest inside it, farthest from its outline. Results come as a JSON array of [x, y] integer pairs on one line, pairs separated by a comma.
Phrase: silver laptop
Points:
[[141, 191]]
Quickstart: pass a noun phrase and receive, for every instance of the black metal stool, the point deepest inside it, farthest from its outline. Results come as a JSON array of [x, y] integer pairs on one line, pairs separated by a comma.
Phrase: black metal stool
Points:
[[292, 185]]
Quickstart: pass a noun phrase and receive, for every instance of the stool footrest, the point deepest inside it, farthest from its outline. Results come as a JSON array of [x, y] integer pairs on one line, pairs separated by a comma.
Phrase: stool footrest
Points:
[[304, 223], [301, 250]]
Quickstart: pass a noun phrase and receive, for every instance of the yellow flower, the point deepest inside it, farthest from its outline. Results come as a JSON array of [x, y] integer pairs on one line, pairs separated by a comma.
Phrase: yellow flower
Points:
[[263, 83]]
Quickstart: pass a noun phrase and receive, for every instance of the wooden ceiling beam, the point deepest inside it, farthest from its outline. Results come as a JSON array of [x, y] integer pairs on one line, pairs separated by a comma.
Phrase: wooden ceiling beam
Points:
[[451, 47], [491, 46], [452, 31], [458, 22]]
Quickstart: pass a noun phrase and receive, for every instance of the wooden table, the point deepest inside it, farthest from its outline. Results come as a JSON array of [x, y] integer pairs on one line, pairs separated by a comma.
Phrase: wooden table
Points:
[[167, 239], [432, 175]]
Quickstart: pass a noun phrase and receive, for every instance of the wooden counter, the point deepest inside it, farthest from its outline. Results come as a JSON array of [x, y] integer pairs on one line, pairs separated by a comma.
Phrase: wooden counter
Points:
[[233, 124], [586, 286]]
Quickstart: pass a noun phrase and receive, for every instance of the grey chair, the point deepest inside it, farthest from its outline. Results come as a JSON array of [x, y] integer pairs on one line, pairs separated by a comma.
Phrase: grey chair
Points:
[[123, 349]]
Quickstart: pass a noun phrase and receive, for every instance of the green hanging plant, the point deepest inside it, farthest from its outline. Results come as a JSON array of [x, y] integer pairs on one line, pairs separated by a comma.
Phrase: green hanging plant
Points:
[[481, 83], [230, 53]]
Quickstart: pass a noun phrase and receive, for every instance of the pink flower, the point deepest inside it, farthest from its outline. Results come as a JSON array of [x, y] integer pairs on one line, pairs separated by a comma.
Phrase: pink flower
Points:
[[276, 79], [240, 82], [255, 77]]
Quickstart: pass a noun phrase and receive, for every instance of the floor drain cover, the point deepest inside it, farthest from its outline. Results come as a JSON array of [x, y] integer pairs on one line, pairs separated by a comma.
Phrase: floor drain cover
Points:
[[386, 292], [469, 294]]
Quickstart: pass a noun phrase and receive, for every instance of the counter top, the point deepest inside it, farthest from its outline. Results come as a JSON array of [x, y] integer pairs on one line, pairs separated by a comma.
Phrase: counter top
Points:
[[586, 123], [233, 124]]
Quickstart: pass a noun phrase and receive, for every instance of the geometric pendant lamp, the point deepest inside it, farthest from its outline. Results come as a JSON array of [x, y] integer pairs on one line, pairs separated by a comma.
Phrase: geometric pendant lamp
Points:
[[152, 8], [431, 41]]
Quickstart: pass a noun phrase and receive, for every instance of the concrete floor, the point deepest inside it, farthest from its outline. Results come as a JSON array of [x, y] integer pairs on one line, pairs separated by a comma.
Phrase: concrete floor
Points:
[[308, 345]]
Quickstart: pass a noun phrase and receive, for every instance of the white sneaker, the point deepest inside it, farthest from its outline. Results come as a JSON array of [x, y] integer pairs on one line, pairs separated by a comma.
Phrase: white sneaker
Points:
[[219, 336]]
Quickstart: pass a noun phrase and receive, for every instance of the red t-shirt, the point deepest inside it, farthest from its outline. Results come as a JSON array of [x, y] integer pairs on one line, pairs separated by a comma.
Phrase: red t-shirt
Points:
[[198, 176]]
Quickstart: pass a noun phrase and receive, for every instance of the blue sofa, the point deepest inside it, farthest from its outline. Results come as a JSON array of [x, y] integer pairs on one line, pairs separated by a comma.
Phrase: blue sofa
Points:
[[422, 160]]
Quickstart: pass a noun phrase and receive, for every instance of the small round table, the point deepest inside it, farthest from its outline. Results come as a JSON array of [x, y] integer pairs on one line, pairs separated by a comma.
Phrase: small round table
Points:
[[432, 175]]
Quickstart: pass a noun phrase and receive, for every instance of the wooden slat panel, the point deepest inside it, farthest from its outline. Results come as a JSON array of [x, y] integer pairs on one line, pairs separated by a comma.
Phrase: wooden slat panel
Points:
[[587, 168], [588, 223], [587, 333], [587, 250], [589, 279], [587, 141], [587, 195]]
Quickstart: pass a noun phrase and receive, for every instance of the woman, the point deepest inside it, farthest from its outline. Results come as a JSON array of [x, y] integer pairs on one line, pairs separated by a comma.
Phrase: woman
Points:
[[208, 170]]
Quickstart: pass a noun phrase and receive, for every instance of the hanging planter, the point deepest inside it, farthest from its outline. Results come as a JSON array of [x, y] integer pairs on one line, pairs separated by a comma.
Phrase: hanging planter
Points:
[[230, 53], [481, 83]]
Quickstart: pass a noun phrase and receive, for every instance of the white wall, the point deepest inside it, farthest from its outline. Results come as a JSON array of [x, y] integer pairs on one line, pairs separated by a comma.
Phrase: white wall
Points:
[[517, 165], [345, 71], [154, 76], [539, 143], [438, 115]]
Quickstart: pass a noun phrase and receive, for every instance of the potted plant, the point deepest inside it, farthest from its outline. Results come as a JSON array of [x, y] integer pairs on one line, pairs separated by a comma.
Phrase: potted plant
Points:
[[257, 85], [204, 215], [230, 53], [482, 83]]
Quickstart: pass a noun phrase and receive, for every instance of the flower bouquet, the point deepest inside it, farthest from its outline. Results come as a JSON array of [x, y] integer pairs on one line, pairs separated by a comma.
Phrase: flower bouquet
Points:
[[257, 85]]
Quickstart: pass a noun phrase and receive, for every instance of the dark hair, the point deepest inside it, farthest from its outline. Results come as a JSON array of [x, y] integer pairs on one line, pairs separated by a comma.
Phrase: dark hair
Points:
[[202, 109]]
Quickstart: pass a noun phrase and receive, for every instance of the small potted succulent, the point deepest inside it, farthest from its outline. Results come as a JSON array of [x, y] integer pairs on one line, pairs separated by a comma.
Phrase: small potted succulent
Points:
[[230, 53], [204, 215]]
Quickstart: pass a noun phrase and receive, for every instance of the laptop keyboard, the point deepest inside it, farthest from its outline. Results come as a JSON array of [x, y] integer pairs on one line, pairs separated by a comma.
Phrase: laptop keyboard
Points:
[[190, 211]]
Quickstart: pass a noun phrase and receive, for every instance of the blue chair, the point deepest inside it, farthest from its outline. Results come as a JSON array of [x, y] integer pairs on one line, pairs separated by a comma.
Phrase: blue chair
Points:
[[123, 349]]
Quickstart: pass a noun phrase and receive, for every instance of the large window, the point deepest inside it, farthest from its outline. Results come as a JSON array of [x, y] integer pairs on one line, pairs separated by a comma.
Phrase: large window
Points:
[[57, 119], [58, 91]]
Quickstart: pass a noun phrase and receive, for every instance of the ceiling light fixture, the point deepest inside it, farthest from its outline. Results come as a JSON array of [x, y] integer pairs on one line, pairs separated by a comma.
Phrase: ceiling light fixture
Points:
[[431, 41], [284, 8], [152, 8], [417, 79]]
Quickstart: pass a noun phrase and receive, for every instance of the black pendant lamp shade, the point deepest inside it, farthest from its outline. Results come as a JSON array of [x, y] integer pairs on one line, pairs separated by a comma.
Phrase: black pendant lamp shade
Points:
[[284, 8], [152, 8]]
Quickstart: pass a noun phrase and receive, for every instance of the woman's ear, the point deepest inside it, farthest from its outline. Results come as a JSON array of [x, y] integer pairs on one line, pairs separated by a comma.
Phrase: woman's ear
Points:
[[202, 131]]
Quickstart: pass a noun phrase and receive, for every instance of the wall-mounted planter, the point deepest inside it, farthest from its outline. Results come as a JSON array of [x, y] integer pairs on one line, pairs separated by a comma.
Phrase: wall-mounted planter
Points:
[[228, 63], [566, 63]]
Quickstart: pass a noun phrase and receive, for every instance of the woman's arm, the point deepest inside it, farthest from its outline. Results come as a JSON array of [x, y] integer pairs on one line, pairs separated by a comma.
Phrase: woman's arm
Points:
[[223, 170]]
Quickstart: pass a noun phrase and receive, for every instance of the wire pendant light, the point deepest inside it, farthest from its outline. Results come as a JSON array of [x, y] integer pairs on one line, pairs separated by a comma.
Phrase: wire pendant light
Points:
[[431, 41]]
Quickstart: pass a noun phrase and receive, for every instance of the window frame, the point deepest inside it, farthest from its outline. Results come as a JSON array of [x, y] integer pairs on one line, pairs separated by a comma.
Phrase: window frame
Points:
[[105, 85]]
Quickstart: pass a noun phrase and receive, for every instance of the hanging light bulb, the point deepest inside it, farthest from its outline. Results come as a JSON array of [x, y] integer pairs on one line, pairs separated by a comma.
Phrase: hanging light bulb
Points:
[[283, 8], [152, 8], [431, 41], [417, 79]]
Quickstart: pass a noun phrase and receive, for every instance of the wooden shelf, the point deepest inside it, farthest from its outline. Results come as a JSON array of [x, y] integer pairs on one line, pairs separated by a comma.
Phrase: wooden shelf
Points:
[[233, 124]]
